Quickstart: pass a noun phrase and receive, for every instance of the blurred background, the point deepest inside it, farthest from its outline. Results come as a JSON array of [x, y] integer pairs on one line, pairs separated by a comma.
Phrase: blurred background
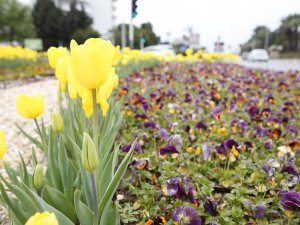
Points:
[[215, 25]]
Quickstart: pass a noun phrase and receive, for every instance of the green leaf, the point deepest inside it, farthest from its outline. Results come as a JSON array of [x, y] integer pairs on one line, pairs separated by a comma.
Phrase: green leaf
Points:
[[44, 206], [112, 216], [85, 215], [18, 217], [34, 140], [59, 201], [24, 173], [115, 181], [108, 172], [26, 200], [34, 158]]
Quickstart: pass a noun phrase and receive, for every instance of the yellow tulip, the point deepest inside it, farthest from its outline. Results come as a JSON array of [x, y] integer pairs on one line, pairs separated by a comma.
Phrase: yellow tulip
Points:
[[62, 69], [30, 107], [87, 103], [105, 91], [44, 218], [54, 54], [72, 92], [117, 55], [3, 147], [116, 81], [91, 62]]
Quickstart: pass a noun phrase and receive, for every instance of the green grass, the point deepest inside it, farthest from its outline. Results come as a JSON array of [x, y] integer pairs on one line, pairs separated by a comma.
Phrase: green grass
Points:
[[290, 55]]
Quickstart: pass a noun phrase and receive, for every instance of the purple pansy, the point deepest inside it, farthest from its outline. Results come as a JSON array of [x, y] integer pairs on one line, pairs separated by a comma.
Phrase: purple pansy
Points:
[[268, 144], [292, 129], [186, 216], [259, 211], [206, 150], [241, 124], [163, 133], [215, 112], [170, 149], [202, 125], [176, 140], [211, 207], [138, 147], [291, 201], [150, 124], [140, 164]]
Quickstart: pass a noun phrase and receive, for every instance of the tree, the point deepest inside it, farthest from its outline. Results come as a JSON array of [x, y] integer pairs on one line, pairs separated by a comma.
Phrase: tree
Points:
[[56, 26], [258, 39], [149, 35], [15, 21], [290, 28], [49, 23], [146, 30], [77, 19]]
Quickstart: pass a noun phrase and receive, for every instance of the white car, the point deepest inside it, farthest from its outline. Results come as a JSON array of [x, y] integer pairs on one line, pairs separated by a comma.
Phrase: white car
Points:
[[258, 55], [163, 49]]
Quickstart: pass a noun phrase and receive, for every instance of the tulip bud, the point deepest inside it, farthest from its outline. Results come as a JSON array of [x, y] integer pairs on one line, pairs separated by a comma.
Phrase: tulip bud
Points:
[[89, 154], [57, 122], [38, 177]]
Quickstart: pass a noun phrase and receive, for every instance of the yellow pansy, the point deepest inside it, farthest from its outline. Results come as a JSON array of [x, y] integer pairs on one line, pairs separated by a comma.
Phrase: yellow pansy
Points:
[[44, 218], [30, 107], [3, 147], [92, 62]]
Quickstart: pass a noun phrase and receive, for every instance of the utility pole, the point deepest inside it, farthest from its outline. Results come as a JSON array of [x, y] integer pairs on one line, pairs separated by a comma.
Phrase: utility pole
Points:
[[131, 32], [131, 27], [266, 42], [123, 35]]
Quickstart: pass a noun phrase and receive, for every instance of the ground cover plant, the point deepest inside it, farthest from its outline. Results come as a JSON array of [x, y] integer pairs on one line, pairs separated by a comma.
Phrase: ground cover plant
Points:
[[219, 138]]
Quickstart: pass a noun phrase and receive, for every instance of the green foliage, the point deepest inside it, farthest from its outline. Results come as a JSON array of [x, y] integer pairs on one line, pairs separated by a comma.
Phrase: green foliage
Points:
[[286, 35], [66, 189], [55, 26], [80, 35], [15, 21], [146, 30]]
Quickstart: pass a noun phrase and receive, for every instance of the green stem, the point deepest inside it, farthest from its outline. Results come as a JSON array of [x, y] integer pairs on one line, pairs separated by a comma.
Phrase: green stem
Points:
[[229, 160], [38, 128], [95, 199], [95, 119], [95, 139]]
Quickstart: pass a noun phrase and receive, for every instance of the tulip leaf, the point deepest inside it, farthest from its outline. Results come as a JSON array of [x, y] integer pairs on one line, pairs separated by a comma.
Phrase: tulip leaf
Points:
[[34, 140], [85, 215], [34, 159], [23, 170], [105, 200], [59, 201], [26, 200], [44, 206], [111, 216], [86, 186], [13, 208], [108, 172]]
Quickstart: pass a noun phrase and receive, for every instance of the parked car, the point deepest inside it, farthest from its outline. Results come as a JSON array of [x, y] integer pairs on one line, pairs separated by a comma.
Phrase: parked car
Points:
[[163, 49], [258, 55]]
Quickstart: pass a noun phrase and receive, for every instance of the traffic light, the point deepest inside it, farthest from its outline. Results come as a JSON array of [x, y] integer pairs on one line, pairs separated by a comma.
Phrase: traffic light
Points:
[[133, 8]]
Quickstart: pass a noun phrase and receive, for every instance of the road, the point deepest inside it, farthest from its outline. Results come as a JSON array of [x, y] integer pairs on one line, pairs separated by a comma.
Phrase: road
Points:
[[273, 64]]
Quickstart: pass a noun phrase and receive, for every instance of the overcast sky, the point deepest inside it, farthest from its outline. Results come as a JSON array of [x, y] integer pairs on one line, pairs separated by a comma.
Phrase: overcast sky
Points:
[[233, 20]]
